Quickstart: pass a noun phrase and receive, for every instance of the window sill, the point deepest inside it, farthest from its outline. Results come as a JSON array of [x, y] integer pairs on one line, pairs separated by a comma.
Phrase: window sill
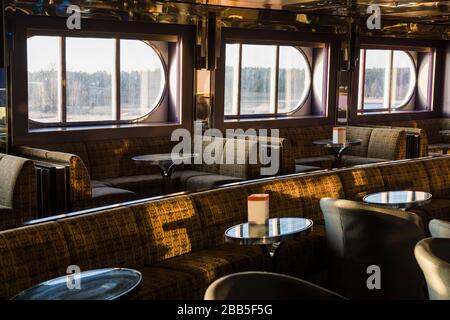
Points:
[[395, 112], [102, 127], [272, 119]]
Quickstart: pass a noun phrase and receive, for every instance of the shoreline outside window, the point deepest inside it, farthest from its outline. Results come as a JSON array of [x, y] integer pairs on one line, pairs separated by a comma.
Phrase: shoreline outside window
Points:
[[265, 80], [80, 80], [387, 80]]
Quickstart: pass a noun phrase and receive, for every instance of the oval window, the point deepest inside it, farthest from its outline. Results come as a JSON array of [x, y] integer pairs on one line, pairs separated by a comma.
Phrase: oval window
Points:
[[142, 79]]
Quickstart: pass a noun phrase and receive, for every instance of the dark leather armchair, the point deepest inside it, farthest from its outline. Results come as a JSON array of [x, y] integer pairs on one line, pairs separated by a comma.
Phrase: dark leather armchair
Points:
[[362, 238]]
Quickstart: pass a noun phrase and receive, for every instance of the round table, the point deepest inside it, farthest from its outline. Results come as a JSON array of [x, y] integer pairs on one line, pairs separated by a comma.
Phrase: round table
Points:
[[402, 199], [99, 284], [269, 236], [338, 148], [166, 162]]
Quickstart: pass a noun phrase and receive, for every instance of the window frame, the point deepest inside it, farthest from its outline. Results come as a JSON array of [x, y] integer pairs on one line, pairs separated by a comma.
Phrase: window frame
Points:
[[362, 78], [116, 97], [276, 114]]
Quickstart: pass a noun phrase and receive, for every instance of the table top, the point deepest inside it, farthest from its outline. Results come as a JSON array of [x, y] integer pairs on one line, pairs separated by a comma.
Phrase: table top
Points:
[[329, 143], [99, 284], [399, 199], [164, 157], [445, 132], [275, 230]]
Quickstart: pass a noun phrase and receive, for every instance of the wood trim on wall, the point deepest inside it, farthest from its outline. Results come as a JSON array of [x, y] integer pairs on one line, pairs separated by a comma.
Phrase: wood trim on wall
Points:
[[18, 79]]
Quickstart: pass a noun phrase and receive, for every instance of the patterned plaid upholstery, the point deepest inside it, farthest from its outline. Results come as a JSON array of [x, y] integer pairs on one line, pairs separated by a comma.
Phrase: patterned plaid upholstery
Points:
[[31, 255], [439, 177], [209, 265], [298, 144], [168, 228], [18, 191], [387, 144], [358, 183], [104, 239], [284, 197], [431, 127], [218, 210], [405, 176], [436, 209], [167, 284], [237, 157], [362, 133]]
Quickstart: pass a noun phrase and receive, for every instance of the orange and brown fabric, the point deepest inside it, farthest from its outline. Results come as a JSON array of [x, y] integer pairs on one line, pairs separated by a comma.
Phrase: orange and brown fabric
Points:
[[359, 182], [18, 191], [31, 255]]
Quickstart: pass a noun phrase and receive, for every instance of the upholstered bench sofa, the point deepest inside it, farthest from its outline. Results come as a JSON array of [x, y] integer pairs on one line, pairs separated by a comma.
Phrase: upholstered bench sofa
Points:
[[177, 242], [103, 172], [18, 200], [433, 138], [378, 145]]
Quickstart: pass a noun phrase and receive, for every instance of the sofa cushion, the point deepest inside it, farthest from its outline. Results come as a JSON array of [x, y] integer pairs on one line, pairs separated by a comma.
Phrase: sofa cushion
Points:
[[387, 144], [439, 177], [102, 196], [209, 181], [219, 210], [322, 161], [141, 185], [350, 161], [169, 228], [359, 182], [405, 176], [103, 240], [167, 284], [31, 255], [209, 265]]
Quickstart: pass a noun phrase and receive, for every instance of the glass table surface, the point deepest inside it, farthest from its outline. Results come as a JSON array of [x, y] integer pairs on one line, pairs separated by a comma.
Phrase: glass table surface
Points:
[[274, 231], [99, 284]]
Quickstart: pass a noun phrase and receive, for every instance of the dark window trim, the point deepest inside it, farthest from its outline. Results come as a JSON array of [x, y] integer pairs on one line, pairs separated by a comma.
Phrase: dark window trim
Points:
[[390, 109], [276, 114], [182, 98], [115, 81], [329, 42], [437, 77]]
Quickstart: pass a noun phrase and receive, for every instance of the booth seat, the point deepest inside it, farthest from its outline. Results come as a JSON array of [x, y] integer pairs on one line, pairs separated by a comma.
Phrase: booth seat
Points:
[[103, 172], [436, 141], [378, 145], [18, 200], [178, 242]]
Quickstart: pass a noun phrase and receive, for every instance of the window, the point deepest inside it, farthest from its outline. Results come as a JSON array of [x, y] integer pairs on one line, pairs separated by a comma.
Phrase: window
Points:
[[73, 80], [387, 80], [265, 80]]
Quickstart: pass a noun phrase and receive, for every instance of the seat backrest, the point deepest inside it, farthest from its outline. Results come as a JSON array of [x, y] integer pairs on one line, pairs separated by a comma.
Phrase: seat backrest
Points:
[[30, 255], [18, 188], [433, 256], [299, 196], [359, 182], [387, 144], [105, 239], [256, 285], [438, 170], [361, 237], [439, 228], [405, 176], [168, 228], [362, 133], [219, 210]]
